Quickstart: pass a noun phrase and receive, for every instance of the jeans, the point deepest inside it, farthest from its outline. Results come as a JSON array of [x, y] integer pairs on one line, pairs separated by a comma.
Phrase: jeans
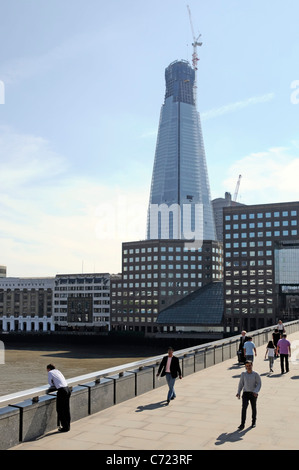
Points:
[[271, 362], [284, 359], [246, 398], [170, 382]]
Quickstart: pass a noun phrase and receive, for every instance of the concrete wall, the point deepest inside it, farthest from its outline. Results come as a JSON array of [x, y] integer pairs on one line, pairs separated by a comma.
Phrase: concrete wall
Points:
[[29, 419]]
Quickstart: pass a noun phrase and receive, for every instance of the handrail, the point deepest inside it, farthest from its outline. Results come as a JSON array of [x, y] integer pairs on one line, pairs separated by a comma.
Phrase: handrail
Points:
[[131, 365]]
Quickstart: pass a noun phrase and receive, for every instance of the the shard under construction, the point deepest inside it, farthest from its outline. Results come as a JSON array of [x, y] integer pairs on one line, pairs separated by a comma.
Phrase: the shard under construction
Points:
[[180, 204]]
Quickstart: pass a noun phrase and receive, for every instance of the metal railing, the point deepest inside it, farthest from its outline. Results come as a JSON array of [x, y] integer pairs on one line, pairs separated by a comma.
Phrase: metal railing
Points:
[[95, 376]]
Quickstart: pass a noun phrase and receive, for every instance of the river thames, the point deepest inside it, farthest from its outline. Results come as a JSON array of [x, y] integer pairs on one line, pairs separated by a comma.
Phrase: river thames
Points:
[[25, 364]]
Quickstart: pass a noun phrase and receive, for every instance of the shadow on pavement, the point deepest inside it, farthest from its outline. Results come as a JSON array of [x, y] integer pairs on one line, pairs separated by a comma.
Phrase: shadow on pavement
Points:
[[151, 406]]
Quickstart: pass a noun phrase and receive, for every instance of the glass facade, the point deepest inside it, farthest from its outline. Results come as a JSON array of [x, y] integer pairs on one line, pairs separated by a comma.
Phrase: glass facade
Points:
[[287, 265], [180, 204]]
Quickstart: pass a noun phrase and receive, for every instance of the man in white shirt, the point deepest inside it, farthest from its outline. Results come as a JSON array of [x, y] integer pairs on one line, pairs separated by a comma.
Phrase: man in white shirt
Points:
[[57, 382]]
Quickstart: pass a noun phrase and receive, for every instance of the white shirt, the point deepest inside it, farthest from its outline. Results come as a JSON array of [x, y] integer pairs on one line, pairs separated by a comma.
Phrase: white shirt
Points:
[[270, 352], [167, 369], [56, 379]]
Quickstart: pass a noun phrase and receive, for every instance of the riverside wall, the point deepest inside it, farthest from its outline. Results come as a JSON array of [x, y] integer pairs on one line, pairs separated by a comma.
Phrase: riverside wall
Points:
[[32, 417]]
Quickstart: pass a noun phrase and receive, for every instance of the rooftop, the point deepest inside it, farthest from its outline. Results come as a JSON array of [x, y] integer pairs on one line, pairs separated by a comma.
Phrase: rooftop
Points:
[[202, 307], [204, 416]]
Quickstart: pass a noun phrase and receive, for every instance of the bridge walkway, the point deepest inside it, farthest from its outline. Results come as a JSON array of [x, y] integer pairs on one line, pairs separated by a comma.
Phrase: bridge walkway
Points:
[[204, 416]]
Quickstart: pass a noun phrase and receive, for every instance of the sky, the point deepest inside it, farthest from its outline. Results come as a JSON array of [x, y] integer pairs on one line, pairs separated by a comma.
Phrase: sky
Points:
[[81, 89]]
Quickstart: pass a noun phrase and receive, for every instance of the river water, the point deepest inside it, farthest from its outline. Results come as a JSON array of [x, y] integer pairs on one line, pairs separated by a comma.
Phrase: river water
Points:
[[25, 365]]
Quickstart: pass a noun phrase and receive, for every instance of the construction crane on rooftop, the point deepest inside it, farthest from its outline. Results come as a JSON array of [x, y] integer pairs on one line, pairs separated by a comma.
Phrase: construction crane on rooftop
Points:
[[195, 58], [237, 189]]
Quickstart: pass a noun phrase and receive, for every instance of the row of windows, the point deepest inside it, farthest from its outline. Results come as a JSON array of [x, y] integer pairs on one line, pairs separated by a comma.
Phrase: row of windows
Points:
[[276, 233], [249, 253], [261, 215], [252, 291], [250, 282], [251, 244], [170, 249], [251, 272], [137, 285], [252, 301], [168, 275], [277, 223], [131, 319], [155, 293], [149, 267], [82, 288], [237, 264], [250, 310], [144, 259]]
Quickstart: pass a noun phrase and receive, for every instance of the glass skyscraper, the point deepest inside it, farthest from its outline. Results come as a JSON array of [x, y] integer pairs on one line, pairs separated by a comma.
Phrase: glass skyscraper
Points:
[[180, 204]]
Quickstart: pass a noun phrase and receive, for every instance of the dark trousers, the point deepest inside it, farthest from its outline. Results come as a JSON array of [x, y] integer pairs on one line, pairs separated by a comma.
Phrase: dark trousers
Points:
[[246, 398], [63, 407], [284, 361]]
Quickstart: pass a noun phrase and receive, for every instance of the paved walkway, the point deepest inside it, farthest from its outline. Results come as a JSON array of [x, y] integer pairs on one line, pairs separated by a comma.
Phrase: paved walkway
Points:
[[204, 416]]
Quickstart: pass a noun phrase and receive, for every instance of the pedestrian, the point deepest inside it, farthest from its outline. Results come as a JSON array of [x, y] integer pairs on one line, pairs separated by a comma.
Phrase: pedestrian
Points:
[[284, 348], [243, 339], [170, 368], [57, 382], [270, 351], [250, 382], [280, 327], [249, 349], [276, 338]]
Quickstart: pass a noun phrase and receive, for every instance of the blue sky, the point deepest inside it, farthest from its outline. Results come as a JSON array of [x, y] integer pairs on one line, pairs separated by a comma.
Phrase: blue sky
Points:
[[84, 85]]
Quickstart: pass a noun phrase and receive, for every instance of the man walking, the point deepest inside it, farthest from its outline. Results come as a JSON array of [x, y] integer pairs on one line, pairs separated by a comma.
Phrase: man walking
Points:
[[249, 349], [250, 383], [284, 349], [170, 367], [57, 382]]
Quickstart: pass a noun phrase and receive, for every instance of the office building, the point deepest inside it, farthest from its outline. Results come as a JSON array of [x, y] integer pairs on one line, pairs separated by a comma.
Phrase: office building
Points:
[[261, 272], [157, 273], [218, 205], [180, 205], [82, 302], [26, 304]]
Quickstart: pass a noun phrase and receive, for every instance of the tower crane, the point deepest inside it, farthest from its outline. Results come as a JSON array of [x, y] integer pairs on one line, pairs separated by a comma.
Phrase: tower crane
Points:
[[237, 188], [195, 58]]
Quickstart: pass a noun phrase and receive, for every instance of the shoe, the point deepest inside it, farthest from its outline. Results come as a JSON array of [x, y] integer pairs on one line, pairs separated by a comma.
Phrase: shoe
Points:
[[172, 398], [167, 402], [241, 427], [253, 425], [63, 429]]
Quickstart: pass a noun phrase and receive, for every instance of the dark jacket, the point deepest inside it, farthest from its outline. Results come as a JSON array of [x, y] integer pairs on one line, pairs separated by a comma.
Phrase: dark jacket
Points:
[[175, 369]]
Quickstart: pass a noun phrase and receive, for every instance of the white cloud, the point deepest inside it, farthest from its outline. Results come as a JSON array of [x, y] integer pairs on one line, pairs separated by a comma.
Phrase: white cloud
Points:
[[267, 177], [232, 107], [26, 158], [51, 225]]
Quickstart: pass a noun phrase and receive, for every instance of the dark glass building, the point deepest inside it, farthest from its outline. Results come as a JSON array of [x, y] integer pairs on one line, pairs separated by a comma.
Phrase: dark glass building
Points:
[[261, 265]]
